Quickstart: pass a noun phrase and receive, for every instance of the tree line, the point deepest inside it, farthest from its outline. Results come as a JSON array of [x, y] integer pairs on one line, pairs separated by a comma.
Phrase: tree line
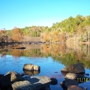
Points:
[[71, 29]]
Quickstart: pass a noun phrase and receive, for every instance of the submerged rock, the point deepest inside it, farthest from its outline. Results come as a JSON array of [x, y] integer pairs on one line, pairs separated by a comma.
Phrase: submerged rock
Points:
[[53, 81], [31, 67], [75, 68], [75, 87], [68, 82]]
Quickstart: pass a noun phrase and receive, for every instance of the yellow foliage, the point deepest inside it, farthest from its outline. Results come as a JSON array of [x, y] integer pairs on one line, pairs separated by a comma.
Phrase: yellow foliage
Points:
[[46, 36]]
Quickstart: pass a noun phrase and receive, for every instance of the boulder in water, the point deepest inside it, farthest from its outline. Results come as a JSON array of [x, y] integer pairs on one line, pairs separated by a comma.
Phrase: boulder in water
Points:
[[75, 68], [31, 67], [71, 76]]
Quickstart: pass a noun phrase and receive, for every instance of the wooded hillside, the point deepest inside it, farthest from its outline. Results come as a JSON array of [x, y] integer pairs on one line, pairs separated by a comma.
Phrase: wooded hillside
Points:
[[76, 29]]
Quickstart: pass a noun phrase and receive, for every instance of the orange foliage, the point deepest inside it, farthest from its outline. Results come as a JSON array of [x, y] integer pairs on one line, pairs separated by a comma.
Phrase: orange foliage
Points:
[[3, 32], [46, 37], [17, 34], [54, 36]]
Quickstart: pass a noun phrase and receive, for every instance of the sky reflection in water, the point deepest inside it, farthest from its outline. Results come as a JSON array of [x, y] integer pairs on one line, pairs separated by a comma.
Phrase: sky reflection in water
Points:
[[50, 58]]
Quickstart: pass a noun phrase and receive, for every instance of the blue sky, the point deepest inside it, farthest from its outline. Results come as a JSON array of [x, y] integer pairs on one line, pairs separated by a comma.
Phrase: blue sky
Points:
[[22, 13]]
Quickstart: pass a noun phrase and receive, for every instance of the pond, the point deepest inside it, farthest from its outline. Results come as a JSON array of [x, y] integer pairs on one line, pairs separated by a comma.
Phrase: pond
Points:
[[50, 57]]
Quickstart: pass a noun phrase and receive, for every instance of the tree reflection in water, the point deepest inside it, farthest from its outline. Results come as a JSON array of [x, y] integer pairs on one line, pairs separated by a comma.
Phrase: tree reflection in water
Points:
[[63, 53]]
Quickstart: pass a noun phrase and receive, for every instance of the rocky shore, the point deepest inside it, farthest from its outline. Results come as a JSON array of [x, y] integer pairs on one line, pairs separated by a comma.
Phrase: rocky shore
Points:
[[15, 81], [73, 74]]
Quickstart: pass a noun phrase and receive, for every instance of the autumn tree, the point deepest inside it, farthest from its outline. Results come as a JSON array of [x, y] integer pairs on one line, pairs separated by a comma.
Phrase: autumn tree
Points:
[[3, 36], [45, 36], [2, 32], [54, 36], [16, 34]]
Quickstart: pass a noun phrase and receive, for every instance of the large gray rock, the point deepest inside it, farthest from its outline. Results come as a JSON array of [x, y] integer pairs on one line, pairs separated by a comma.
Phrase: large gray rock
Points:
[[75, 68], [32, 83], [69, 82], [22, 85], [31, 67]]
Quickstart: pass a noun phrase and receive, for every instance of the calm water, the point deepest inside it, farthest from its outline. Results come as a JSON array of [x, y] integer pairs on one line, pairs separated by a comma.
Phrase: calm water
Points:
[[50, 58]]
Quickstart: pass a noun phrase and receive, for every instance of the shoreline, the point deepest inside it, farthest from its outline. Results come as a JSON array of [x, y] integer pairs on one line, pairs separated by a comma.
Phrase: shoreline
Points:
[[40, 42]]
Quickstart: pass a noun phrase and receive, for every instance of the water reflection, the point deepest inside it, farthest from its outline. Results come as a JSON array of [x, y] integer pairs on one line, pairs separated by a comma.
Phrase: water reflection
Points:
[[31, 73], [65, 54]]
